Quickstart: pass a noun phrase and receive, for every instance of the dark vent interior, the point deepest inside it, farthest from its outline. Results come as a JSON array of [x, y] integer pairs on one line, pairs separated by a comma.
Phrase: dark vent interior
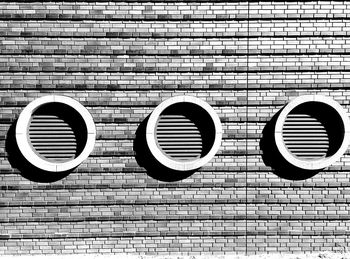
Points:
[[185, 132], [57, 132], [313, 130]]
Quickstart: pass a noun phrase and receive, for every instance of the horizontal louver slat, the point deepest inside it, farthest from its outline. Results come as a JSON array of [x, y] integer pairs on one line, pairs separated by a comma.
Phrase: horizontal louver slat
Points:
[[52, 137], [179, 137], [43, 143], [48, 149], [305, 136], [174, 148], [173, 143], [315, 131]]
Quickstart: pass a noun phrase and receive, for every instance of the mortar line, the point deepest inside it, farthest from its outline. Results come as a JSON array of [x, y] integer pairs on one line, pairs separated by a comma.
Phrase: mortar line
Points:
[[246, 137]]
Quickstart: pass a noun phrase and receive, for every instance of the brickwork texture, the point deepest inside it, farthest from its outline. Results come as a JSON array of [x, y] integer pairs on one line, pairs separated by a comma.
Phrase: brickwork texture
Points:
[[120, 59]]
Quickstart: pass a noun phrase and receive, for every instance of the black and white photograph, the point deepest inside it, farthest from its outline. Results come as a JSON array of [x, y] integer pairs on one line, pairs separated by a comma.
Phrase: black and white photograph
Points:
[[174, 129]]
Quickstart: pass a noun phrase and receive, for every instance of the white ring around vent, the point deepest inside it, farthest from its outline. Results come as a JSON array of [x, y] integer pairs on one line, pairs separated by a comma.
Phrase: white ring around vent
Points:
[[167, 161], [318, 163], [25, 146]]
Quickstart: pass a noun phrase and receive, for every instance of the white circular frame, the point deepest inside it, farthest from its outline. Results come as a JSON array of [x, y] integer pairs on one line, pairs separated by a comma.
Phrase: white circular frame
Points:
[[152, 142], [319, 163], [25, 146]]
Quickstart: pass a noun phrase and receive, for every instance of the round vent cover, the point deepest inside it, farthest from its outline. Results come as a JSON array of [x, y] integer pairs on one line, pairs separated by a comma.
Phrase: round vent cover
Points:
[[184, 133], [312, 132], [55, 133]]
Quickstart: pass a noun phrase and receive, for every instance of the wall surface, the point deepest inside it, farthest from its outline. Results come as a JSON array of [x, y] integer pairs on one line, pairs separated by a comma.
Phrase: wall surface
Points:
[[120, 59]]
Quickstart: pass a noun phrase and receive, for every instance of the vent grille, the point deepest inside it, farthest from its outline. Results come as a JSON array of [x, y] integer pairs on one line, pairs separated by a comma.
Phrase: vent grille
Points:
[[305, 136], [52, 138], [179, 137]]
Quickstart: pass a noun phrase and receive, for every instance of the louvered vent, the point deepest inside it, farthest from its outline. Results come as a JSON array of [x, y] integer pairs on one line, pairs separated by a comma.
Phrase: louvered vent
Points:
[[184, 132], [179, 137], [310, 131], [305, 136], [56, 133]]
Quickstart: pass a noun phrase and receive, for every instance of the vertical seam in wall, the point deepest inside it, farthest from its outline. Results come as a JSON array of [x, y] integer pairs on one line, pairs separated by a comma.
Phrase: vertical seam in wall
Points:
[[246, 134]]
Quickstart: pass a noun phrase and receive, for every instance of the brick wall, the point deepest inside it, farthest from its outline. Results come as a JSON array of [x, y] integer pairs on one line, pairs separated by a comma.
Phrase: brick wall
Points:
[[121, 59]]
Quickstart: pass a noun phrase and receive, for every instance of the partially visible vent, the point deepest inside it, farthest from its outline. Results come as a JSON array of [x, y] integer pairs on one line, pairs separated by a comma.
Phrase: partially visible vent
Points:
[[305, 136], [179, 137], [52, 137]]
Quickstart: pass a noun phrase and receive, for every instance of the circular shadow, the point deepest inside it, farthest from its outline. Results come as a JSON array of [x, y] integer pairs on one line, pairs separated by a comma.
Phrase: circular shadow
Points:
[[26, 169], [272, 157], [145, 159]]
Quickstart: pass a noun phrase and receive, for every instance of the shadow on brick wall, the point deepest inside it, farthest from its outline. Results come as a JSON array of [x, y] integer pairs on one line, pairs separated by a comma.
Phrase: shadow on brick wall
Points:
[[272, 157], [26, 169], [145, 159]]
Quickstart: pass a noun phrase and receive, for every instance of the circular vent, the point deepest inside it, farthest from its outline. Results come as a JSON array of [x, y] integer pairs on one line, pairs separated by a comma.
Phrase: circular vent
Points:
[[312, 132], [180, 132], [183, 133], [55, 133]]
